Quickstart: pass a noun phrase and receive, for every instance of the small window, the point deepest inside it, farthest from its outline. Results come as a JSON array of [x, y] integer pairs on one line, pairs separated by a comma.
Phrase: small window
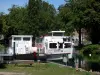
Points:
[[73, 40], [67, 45], [64, 39], [69, 39], [26, 38], [53, 45], [60, 45], [17, 38], [58, 34], [39, 40]]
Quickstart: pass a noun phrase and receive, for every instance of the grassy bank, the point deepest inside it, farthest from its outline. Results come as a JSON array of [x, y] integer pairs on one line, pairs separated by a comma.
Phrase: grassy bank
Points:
[[42, 69]]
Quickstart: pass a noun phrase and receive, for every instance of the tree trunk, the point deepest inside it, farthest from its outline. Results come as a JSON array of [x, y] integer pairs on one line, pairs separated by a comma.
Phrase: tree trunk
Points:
[[95, 35], [79, 38]]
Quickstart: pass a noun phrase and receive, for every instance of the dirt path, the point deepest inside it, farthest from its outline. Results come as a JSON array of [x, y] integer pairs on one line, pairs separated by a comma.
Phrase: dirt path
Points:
[[11, 73]]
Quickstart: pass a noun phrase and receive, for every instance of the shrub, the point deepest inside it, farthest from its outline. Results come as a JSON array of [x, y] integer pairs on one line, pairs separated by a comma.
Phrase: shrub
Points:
[[1, 47], [91, 53]]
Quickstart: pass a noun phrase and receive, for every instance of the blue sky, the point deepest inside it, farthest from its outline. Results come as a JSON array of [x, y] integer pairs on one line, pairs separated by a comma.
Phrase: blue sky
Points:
[[5, 4]]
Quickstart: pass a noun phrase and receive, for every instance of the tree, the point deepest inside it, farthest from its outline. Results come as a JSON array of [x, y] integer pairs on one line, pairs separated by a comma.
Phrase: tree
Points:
[[33, 16], [83, 14], [92, 20], [16, 20], [47, 18], [65, 16], [78, 8], [36, 18], [1, 24], [90, 17], [41, 17]]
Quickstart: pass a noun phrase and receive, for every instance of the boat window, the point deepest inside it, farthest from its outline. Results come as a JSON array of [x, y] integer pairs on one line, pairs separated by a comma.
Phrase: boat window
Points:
[[37, 40], [60, 45], [49, 34], [26, 38], [69, 40], [64, 39], [53, 45], [58, 34], [67, 45], [17, 38], [41, 39]]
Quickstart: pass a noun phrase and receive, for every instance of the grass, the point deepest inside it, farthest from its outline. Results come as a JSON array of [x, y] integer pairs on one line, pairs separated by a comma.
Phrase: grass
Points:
[[42, 69]]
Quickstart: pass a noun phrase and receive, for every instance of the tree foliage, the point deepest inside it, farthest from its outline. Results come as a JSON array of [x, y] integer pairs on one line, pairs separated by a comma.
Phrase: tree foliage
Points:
[[2, 47], [83, 14], [16, 20], [65, 16], [1, 22], [41, 17], [36, 18]]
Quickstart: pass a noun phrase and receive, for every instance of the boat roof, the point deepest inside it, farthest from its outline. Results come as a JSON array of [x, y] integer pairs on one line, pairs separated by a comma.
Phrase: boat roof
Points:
[[57, 31], [22, 36]]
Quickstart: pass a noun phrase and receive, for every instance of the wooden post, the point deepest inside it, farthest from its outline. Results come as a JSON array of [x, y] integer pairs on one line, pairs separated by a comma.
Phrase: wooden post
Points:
[[76, 64], [14, 53]]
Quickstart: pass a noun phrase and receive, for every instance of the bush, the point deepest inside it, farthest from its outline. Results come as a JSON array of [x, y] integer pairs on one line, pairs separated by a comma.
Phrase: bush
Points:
[[1, 47], [91, 53]]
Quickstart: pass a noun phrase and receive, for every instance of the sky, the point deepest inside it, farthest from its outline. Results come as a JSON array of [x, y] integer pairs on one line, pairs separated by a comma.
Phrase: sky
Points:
[[5, 4]]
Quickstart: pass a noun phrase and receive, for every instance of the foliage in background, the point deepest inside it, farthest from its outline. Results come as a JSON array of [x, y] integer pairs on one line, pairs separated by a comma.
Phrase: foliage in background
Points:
[[65, 16], [39, 17], [1, 22], [16, 20], [36, 18], [83, 14]]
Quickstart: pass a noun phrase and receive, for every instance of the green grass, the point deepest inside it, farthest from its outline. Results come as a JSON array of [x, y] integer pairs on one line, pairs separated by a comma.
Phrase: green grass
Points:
[[42, 69]]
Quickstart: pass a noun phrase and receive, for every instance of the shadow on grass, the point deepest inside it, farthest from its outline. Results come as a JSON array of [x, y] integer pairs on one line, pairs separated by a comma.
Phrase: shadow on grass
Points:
[[2, 66], [24, 65]]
